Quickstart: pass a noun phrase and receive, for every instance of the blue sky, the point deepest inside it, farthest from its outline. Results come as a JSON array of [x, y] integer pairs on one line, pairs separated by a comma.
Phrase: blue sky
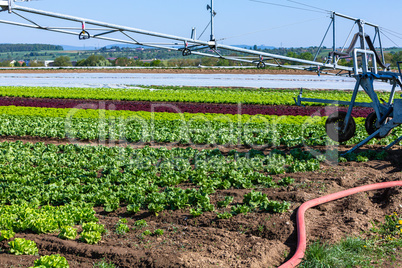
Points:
[[240, 21]]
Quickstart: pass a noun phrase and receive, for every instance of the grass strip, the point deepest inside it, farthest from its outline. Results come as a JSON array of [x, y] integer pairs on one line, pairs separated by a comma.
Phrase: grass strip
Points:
[[381, 248]]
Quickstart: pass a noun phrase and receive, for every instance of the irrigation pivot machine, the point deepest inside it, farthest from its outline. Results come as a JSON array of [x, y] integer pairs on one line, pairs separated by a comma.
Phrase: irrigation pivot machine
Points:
[[365, 51]]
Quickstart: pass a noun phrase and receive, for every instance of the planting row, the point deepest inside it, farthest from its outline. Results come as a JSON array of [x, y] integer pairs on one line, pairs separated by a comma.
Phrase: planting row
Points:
[[201, 95], [179, 107], [101, 114], [48, 188], [49, 219], [24, 217], [186, 128], [22, 246], [144, 127], [140, 131], [146, 178]]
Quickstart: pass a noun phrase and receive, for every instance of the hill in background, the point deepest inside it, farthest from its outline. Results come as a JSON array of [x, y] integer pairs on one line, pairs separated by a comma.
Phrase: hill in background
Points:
[[28, 47]]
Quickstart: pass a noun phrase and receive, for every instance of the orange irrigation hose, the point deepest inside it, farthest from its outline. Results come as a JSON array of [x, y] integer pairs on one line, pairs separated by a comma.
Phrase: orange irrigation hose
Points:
[[301, 227]]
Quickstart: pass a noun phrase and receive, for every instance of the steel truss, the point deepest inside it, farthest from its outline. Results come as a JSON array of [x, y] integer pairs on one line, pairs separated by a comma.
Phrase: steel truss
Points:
[[187, 46]]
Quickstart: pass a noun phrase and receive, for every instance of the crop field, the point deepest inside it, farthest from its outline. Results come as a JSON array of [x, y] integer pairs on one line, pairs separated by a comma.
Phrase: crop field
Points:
[[186, 177]]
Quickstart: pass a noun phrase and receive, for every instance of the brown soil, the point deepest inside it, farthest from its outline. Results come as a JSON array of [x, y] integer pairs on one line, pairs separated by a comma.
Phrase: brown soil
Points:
[[162, 70], [252, 240]]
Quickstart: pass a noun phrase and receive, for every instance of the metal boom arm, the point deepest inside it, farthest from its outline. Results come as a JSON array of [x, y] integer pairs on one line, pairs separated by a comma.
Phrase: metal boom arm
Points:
[[186, 45]]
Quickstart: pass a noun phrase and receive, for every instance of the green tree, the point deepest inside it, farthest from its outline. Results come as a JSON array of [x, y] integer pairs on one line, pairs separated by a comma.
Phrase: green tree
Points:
[[138, 63], [223, 62], [36, 63], [388, 58], [5, 63], [122, 62], [291, 54], [94, 60], [343, 62], [155, 63], [306, 56], [206, 61], [62, 61], [396, 57]]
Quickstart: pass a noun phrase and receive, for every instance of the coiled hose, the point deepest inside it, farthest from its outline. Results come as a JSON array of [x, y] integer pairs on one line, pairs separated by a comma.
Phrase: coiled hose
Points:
[[301, 227]]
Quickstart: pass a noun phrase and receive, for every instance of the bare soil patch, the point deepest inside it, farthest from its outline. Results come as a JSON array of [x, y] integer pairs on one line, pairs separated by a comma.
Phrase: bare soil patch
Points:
[[252, 240]]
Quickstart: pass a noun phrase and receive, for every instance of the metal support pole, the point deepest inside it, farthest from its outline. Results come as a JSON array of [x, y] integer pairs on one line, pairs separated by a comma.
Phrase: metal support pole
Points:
[[212, 21], [367, 85], [392, 95], [379, 40], [352, 103], [363, 46], [193, 33], [334, 37], [319, 48], [393, 143], [369, 138]]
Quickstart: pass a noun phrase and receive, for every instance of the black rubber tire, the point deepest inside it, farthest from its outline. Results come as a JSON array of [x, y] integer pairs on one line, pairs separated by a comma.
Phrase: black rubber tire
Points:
[[260, 65], [369, 124], [186, 52], [333, 124]]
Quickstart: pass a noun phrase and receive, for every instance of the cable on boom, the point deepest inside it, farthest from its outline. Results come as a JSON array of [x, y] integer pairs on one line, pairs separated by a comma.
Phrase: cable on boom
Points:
[[280, 5], [309, 5], [394, 34], [390, 39], [270, 29], [391, 31], [199, 37]]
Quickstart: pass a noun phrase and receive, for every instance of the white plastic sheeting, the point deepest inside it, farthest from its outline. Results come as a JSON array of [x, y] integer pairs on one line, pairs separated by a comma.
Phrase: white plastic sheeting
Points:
[[124, 80]]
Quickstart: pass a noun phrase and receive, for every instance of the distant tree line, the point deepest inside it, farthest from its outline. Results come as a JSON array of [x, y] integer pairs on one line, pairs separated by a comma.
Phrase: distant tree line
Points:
[[297, 50], [98, 60], [27, 47], [94, 60], [7, 63], [393, 58], [165, 58], [116, 48], [128, 56]]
